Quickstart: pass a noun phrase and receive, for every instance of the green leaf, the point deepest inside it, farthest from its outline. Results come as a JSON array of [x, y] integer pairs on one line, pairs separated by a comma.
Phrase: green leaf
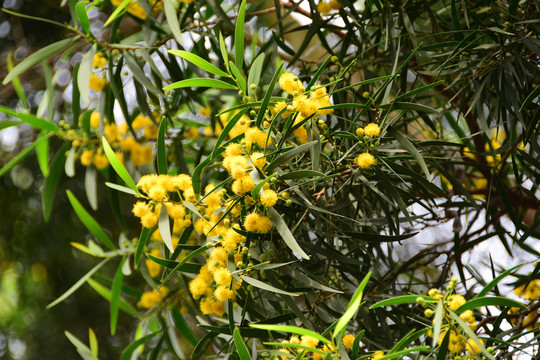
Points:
[[261, 285], [291, 329], [255, 73], [161, 148], [17, 86], [398, 105], [419, 90], [38, 57], [199, 62], [299, 174], [240, 346], [93, 343], [183, 327], [409, 146], [530, 98], [128, 351], [82, 349], [69, 166], [42, 153], [285, 233], [83, 75], [51, 182], [187, 267], [4, 124], [352, 308], [80, 8], [227, 129], [404, 299], [90, 187], [495, 281], [143, 239], [172, 19], [490, 301], [31, 120], [283, 158], [118, 166], [256, 190], [106, 294], [239, 36], [117, 12], [437, 323], [237, 75], [88, 221], [200, 82], [223, 49], [78, 284], [179, 265], [164, 226], [116, 290], [267, 96]]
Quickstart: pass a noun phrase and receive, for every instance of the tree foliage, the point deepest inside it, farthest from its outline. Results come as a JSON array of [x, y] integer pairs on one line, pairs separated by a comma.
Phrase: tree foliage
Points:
[[278, 154]]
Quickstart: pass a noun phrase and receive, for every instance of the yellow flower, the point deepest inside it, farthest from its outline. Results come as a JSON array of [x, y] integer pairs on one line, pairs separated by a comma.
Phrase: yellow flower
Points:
[[141, 154], [86, 157], [472, 347], [268, 198], [96, 83], [154, 269], [100, 161], [99, 60], [212, 306], [348, 341], [304, 105], [205, 111], [141, 121], [467, 316], [456, 301], [95, 118], [309, 341], [222, 276], [290, 83], [530, 292], [223, 293], [372, 130], [255, 136], [360, 131], [257, 223], [198, 287], [377, 355], [365, 160], [243, 185], [468, 153], [152, 297]]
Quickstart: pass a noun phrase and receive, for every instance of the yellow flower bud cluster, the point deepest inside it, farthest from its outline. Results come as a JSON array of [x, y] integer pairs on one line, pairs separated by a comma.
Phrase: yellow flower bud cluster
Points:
[[366, 160], [302, 105]]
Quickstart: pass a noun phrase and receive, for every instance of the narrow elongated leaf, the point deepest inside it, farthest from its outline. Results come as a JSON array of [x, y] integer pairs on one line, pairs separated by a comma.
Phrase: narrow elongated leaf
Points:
[[78, 284], [404, 299], [240, 346], [200, 82], [118, 166], [83, 75], [143, 239], [255, 73], [495, 281], [17, 86], [38, 57], [183, 327], [490, 301], [90, 187], [128, 351], [292, 330], [80, 9], [285, 233], [437, 323], [199, 62], [268, 96], [69, 166], [31, 120], [237, 74], [172, 19], [283, 158], [116, 290], [9, 123], [165, 228], [239, 36], [106, 294], [93, 343], [117, 11], [262, 285], [409, 146], [161, 149], [51, 182], [42, 153], [230, 124], [81, 347], [352, 308], [88, 221]]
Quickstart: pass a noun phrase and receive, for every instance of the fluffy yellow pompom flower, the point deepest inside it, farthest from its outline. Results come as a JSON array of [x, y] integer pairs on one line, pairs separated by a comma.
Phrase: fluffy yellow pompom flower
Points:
[[154, 269], [348, 341], [233, 149], [360, 131], [257, 223], [472, 347], [222, 276], [100, 161], [309, 341], [96, 83], [95, 117], [456, 301], [372, 130], [99, 60], [152, 297], [290, 83], [255, 136], [269, 198], [365, 160], [377, 355], [223, 293], [205, 111], [198, 287], [86, 157], [212, 306]]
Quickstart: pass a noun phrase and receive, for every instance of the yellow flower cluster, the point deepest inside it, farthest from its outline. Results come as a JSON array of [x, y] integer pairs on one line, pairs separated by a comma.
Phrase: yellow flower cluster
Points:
[[302, 105], [529, 291], [97, 83], [140, 153], [135, 9], [158, 189], [99, 60], [326, 6], [150, 298], [348, 341], [458, 340], [366, 160]]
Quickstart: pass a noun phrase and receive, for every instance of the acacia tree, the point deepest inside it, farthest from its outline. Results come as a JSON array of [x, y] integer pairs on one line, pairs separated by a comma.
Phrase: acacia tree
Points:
[[278, 153]]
